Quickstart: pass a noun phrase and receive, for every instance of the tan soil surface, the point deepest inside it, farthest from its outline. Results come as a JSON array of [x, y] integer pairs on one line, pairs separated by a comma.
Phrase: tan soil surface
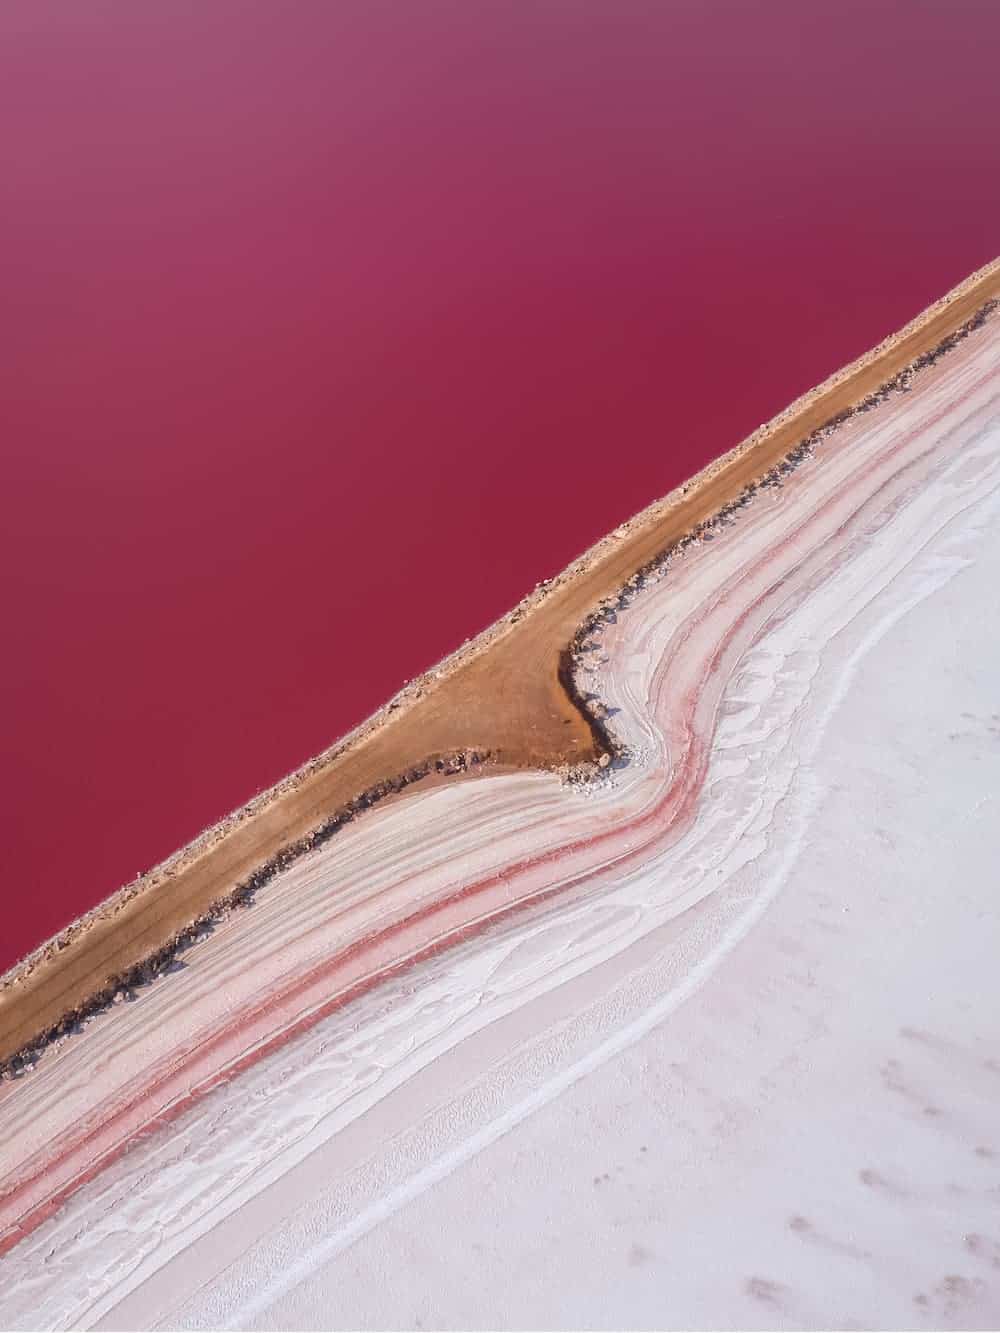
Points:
[[500, 695]]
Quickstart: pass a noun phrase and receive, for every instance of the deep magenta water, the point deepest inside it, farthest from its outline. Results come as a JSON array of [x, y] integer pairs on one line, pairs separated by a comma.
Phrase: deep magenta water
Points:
[[328, 329]]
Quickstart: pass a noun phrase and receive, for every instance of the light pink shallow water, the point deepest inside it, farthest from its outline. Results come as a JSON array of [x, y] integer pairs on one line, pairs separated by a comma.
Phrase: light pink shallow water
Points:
[[329, 330]]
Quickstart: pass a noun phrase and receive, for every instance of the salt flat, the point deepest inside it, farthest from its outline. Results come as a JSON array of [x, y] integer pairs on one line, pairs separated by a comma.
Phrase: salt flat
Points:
[[810, 1139]]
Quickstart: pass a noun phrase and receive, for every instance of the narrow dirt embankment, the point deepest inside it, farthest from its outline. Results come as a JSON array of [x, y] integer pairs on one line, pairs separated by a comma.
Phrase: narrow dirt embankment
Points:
[[507, 698]]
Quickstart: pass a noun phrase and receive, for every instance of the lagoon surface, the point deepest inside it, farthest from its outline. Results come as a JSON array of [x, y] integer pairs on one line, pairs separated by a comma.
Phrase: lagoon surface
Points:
[[329, 329]]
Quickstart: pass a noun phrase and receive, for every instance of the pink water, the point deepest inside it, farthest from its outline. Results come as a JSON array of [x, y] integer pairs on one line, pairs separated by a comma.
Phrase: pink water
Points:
[[328, 329]]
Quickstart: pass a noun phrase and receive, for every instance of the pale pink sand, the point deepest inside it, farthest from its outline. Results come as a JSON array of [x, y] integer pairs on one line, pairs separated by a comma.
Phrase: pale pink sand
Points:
[[764, 952]]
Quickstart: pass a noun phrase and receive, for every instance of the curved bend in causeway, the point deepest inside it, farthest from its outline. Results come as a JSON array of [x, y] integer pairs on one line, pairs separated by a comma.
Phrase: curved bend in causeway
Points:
[[502, 697]]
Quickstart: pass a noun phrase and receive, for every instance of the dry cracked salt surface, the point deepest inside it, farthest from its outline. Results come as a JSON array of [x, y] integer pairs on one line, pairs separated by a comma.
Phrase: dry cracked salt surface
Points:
[[735, 1059]]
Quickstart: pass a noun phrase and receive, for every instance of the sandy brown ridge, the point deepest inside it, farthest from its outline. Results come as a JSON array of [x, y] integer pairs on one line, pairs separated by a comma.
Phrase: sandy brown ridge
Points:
[[505, 696]]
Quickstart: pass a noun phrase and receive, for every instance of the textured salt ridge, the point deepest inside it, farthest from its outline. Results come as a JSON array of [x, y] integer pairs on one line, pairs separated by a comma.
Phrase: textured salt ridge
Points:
[[126, 985]]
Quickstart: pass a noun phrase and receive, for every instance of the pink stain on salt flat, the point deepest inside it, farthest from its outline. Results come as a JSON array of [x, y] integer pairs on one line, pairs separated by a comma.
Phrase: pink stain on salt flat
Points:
[[330, 329]]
